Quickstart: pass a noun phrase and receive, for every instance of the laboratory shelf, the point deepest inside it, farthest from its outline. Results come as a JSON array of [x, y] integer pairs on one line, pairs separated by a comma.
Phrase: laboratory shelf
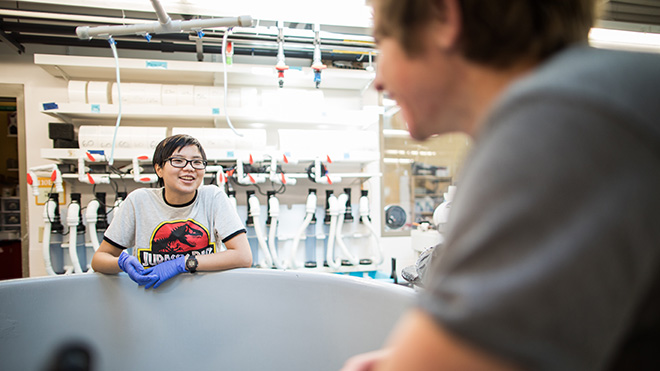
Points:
[[199, 73], [250, 117], [127, 154], [211, 175]]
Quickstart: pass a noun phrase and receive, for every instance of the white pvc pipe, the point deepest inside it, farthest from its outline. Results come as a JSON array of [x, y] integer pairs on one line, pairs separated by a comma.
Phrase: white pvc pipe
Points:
[[233, 203], [271, 244], [220, 178], [364, 217], [73, 250], [255, 211], [88, 178], [274, 206], [310, 209], [379, 250], [55, 177], [48, 215], [46, 249], [162, 15], [91, 215], [138, 177], [33, 182], [266, 261], [334, 212], [86, 32], [93, 236], [342, 199], [72, 222], [296, 239]]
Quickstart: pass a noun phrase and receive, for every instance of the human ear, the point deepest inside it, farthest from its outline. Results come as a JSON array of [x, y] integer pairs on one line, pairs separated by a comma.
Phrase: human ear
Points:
[[446, 30], [159, 170]]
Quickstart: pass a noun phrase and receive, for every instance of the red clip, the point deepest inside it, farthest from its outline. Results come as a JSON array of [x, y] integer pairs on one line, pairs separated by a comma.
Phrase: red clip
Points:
[[328, 158], [53, 176], [91, 180], [251, 160], [231, 172], [29, 179], [90, 157], [283, 179], [329, 181], [286, 160], [143, 158], [145, 179], [251, 178]]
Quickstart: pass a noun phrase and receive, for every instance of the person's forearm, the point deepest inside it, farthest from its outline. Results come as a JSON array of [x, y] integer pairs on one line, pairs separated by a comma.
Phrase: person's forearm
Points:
[[224, 260], [105, 263], [420, 343]]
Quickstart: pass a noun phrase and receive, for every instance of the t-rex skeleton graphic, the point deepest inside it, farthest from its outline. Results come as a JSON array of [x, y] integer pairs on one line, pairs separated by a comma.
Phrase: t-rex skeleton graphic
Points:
[[179, 236]]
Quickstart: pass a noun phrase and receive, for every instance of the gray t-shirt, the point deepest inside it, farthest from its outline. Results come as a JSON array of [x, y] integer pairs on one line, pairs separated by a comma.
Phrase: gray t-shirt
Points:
[[159, 231], [552, 257]]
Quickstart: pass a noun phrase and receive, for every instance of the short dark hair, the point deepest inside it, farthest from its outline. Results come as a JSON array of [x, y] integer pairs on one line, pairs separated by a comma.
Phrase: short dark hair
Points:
[[167, 146], [495, 33]]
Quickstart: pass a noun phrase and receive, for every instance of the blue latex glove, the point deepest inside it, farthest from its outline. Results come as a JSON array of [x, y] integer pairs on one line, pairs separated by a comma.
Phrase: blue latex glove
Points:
[[135, 270], [165, 270]]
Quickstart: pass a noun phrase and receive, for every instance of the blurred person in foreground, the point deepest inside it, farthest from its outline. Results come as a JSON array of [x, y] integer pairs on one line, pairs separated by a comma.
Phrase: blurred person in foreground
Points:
[[552, 255]]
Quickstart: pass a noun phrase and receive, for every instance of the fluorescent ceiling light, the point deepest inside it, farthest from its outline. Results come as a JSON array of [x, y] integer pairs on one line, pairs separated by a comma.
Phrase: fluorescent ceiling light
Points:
[[629, 40], [389, 160], [393, 133]]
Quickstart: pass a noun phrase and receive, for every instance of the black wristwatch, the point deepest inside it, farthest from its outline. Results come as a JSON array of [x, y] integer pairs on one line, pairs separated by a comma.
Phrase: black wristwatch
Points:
[[191, 264]]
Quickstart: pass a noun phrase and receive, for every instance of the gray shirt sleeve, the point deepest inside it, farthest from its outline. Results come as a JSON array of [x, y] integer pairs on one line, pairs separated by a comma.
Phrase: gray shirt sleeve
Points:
[[549, 251], [227, 224]]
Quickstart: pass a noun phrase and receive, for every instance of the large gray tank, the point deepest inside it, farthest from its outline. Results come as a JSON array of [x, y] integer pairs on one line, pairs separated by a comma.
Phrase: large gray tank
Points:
[[243, 319]]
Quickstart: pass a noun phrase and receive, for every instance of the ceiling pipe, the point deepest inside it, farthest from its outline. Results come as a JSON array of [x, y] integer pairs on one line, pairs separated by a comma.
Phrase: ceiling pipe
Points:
[[163, 25], [86, 33], [162, 15]]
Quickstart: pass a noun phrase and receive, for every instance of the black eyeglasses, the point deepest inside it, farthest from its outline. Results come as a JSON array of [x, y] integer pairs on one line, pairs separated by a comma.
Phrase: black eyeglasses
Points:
[[180, 162]]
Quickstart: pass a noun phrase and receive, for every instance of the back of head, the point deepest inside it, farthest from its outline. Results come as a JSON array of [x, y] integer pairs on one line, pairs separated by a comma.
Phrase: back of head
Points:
[[494, 33]]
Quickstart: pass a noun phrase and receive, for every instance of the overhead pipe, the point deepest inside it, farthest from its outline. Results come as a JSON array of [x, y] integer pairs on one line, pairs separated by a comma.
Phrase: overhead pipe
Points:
[[86, 32], [174, 43], [164, 25], [281, 64]]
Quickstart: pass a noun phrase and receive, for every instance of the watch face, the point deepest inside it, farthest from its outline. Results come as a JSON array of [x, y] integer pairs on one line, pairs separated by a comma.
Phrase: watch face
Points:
[[191, 264]]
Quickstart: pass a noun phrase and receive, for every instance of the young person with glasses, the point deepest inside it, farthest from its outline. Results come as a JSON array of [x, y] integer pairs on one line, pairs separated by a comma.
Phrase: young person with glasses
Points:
[[175, 229]]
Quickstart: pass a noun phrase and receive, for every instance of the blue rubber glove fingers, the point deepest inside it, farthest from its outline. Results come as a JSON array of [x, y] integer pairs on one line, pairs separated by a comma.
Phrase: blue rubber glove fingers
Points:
[[135, 270], [166, 270]]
